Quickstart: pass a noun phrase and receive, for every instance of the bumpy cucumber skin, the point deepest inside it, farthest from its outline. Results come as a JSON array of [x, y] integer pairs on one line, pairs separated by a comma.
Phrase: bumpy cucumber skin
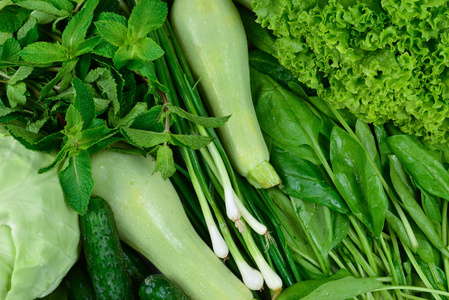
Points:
[[104, 255], [79, 286], [159, 287], [137, 268]]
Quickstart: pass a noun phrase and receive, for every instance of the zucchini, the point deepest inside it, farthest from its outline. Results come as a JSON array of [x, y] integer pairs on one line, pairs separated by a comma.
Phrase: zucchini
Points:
[[159, 287], [104, 255], [151, 219], [79, 285], [212, 37]]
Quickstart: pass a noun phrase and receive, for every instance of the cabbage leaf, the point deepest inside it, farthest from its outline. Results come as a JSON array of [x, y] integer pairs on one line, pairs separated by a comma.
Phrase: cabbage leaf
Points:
[[39, 233]]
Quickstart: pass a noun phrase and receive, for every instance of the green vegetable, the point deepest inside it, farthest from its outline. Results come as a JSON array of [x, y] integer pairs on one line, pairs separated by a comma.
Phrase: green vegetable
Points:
[[381, 59], [104, 255], [340, 286], [137, 268], [79, 285], [150, 218], [37, 228], [357, 181], [428, 172], [218, 57], [159, 287]]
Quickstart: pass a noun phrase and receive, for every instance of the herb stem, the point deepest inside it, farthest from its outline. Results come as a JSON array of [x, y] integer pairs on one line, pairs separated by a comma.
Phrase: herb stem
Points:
[[4, 75]]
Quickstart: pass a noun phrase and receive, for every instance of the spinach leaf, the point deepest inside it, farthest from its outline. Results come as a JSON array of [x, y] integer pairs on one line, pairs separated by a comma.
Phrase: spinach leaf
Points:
[[428, 172], [357, 181], [285, 117], [304, 180], [337, 287], [397, 174]]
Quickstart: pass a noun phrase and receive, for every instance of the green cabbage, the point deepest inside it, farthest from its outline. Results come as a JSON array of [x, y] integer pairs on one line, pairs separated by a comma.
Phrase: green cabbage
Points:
[[39, 233], [384, 60]]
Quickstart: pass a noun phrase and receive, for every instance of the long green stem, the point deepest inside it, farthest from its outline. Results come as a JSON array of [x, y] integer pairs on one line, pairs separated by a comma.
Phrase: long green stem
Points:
[[421, 274], [366, 247]]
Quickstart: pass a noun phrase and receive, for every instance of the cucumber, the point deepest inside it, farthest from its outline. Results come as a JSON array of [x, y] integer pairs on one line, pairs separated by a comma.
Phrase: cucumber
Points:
[[159, 287], [79, 285], [104, 255], [137, 268]]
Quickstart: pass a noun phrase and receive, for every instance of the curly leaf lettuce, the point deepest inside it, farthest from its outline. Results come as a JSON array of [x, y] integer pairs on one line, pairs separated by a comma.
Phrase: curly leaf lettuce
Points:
[[383, 60], [39, 233]]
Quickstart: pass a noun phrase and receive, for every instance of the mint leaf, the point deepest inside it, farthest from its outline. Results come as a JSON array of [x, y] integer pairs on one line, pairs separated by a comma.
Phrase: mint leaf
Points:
[[143, 68], [12, 18], [146, 49], [28, 33], [110, 16], [16, 94], [202, 121], [122, 56], [44, 53], [143, 138], [62, 154], [21, 73], [105, 80], [138, 109], [84, 102], [76, 181], [76, 29], [62, 4], [74, 124], [113, 32], [193, 141], [4, 36], [149, 119], [66, 69], [164, 162], [9, 51], [104, 48], [86, 46], [146, 16], [92, 136], [43, 6], [34, 141]]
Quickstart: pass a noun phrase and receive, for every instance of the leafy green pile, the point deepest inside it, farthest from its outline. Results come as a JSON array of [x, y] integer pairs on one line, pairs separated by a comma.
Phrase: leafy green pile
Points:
[[384, 60], [367, 199], [79, 77]]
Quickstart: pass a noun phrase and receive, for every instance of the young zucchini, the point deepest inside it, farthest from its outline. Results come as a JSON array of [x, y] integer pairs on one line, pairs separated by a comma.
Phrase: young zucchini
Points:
[[150, 218], [159, 287], [104, 255], [212, 37]]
